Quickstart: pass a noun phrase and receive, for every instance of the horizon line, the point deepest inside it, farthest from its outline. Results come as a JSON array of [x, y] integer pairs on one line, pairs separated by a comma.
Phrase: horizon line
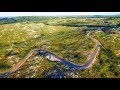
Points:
[[12, 14]]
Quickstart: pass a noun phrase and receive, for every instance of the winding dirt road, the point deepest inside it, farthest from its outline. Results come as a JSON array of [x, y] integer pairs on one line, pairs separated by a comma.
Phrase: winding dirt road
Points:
[[16, 67], [52, 57]]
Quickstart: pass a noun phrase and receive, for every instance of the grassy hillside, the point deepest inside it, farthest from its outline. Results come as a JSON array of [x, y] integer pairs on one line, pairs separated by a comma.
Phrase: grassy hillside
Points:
[[70, 43], [108, 60]]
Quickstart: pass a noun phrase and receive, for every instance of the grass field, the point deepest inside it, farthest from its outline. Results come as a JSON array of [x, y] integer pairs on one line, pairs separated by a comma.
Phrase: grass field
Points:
[[70, 43]]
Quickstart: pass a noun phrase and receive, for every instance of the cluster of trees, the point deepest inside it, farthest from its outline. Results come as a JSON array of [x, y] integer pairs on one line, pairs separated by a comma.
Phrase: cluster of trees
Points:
[[23, 19]]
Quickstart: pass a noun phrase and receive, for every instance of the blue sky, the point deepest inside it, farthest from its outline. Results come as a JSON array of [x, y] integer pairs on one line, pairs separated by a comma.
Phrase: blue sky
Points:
[[2, 14]]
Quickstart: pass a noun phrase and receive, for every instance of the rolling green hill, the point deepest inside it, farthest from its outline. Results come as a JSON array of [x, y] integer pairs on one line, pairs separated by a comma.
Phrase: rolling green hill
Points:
[[59, 36]]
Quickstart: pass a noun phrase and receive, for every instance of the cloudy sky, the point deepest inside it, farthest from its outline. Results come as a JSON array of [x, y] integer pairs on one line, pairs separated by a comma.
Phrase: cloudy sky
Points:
[[55, 13]]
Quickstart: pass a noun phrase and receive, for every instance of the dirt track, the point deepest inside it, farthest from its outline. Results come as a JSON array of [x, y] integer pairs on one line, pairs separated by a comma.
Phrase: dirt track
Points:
[[53, 57]]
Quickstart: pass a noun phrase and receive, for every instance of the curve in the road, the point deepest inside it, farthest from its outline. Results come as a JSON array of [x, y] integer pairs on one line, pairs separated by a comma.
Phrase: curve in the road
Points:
[[52, 57]]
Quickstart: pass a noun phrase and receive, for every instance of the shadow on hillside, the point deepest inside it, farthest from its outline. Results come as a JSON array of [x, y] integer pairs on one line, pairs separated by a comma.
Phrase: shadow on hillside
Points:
[[59, 71]]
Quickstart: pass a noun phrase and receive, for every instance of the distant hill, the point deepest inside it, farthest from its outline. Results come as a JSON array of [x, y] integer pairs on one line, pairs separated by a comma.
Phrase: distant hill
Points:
[[7, 20]]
